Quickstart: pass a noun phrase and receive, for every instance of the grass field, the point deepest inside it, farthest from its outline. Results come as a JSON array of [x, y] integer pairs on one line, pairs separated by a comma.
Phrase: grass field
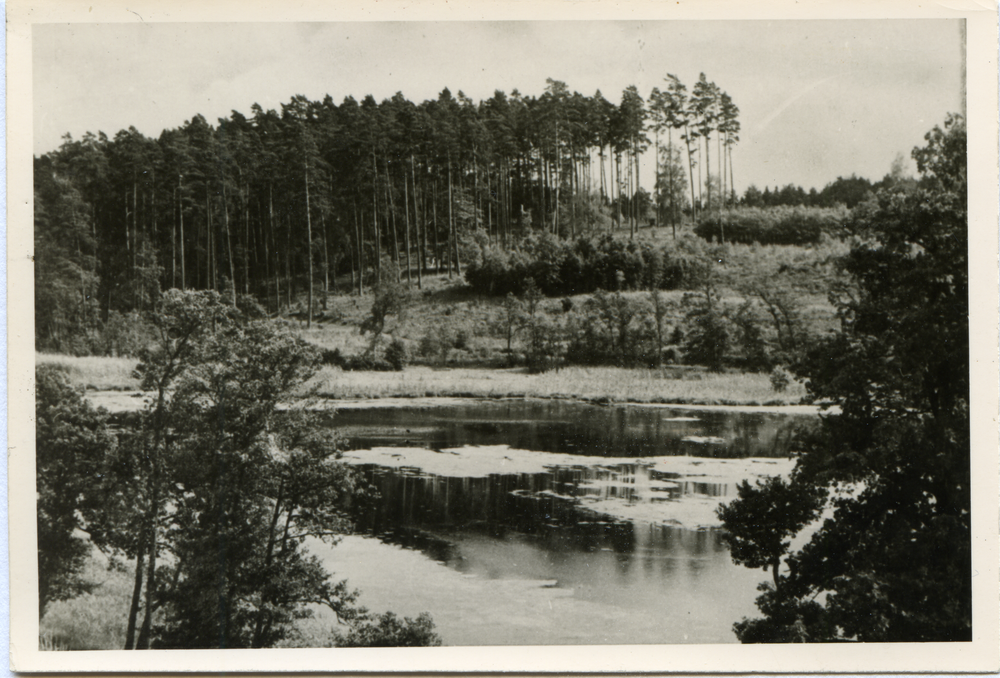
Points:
[[91, 621], [96, 373], [600, 384], [98, 620]]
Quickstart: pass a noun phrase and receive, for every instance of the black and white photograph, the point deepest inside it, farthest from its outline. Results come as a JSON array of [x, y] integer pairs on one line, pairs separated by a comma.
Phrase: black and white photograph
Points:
[[633, 338]]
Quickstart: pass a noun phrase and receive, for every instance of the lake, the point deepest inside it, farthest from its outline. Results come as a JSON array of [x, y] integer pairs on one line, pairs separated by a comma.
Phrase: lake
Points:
[[553, 522]]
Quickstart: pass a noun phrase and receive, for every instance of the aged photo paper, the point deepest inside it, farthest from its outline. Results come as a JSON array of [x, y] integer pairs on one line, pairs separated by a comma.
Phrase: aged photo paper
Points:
[[827, 92]]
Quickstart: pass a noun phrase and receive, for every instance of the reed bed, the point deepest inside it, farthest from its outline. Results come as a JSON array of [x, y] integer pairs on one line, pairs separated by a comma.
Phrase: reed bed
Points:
[[599, 384], [98, 373]]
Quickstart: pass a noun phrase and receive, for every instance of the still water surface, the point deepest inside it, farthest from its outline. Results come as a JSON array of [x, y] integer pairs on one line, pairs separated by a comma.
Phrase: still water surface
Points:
[[526, 558], [575, 428]]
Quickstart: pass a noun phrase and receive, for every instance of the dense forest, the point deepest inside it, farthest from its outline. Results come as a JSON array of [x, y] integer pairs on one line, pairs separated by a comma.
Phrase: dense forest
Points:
[[276, 204]]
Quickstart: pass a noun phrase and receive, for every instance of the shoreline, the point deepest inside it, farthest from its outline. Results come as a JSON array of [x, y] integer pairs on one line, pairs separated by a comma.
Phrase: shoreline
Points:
[[111, 382], [116, 401]]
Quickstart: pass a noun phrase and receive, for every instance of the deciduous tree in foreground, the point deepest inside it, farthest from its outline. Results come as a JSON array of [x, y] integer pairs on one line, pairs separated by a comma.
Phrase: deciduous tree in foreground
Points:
[[892, 562], [212, 490]]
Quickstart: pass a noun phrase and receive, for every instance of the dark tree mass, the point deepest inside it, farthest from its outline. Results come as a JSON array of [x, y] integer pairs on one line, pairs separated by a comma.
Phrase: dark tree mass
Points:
[[208, 490], [280, 204], [893, 561]]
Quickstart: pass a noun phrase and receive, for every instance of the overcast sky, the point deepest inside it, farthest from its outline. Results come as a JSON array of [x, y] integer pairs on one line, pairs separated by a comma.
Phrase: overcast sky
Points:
[[818, 99]]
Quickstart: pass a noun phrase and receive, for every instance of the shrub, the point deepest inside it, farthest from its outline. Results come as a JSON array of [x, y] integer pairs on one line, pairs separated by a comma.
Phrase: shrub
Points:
[[545, 344], [585, 265], [388, 630], [125, 334], [331, 357], [773, 225], [391, 299], [750, 338], [707, 339], [780, 379], [367, 363], [613, 329], [395, 354], [429, 345]]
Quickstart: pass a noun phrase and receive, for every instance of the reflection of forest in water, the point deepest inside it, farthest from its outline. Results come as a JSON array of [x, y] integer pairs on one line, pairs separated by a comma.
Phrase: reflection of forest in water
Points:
[[576, 428], [451, 519], [549, 507], [634, 580]]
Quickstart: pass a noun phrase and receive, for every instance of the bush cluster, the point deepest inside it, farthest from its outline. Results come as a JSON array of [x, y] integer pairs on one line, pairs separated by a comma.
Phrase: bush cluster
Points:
[[394, 359], [633, 330], [566, 267], [773, 225], [613, 329]]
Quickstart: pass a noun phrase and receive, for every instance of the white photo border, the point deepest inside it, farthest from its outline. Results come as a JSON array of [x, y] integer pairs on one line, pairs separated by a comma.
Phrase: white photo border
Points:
[[980, 655]]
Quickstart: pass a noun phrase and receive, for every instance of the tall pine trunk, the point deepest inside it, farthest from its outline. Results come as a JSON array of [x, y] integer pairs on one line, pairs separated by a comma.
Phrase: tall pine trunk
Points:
[[229, 244], [326, 260], [475, 189], [558, 182], [309, 250], [180, 219], [359, 239], [670, 182], [274, 245], [416, 225], [451, 221], [729, 150], [406, 212], [437, 246], [617, 167], [378, 239], [687, 143], [656, 181], [173, 249], [246, 242], [635, 157], [708, 171], [390, 221], [288, 263]]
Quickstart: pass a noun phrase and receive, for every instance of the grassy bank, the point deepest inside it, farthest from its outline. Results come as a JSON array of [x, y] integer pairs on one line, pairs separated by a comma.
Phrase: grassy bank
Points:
[[98, 619], [95, 373], [95, 620], [601, 384]]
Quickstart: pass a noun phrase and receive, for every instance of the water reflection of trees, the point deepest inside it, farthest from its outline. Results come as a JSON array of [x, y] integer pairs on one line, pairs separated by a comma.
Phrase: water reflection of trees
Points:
[[577, 428], [421, 511]]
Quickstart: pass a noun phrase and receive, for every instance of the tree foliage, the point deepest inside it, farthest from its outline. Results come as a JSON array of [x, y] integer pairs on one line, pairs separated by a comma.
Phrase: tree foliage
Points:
[[212, 489], [893, 560], [390, 300], [774, 225], [71, 444], [388, 630]]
